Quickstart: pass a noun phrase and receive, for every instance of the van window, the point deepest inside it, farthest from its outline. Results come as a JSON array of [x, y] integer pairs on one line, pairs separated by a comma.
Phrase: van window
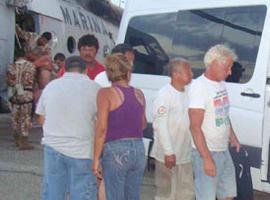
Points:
[[189, 34]]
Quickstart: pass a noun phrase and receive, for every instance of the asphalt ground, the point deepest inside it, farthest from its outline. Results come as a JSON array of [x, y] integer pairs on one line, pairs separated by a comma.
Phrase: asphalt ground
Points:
[[21, 171]]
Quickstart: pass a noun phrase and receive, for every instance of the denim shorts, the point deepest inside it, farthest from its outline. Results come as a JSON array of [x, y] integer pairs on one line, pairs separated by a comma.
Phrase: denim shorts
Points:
[[123, 163], [223, 185], [64, 174]]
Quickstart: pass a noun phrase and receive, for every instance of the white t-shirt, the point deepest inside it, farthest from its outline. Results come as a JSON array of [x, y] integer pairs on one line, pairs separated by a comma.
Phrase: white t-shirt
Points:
[[212, 97], [69, 107], [171, 125]]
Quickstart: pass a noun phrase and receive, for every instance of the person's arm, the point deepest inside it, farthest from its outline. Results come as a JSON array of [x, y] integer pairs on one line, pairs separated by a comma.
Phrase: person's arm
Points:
[[21, 33], [233, 139], [41, 119], [144, 121], [43, 62], [11, 77], [103, 108], [32, 57], [160, 124], [27, 36], [40, 109], [196, 117], [140, 96]]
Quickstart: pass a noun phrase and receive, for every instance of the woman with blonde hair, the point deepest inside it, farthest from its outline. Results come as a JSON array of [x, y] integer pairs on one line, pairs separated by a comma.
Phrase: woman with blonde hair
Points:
[[119, 130]]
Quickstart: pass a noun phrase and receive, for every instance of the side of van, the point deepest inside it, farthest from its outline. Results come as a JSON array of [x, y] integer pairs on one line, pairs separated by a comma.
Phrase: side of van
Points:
[[162, 30]]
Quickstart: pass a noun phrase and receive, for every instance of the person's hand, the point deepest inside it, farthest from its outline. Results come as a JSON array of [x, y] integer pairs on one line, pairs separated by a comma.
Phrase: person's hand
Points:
[[170, 161], [96, 169], [44, 62], [209, 167], [235, 143]]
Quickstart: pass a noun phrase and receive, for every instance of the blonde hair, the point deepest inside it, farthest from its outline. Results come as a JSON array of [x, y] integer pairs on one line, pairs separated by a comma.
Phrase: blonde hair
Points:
[[117, 67], [219, 52]]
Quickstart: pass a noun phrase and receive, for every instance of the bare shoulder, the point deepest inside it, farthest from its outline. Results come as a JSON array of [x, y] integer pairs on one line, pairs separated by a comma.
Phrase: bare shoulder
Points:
[[139, 92], [105, 92]]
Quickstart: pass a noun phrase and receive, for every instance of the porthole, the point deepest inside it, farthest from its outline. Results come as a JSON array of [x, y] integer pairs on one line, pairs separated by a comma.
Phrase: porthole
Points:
[[71, 44]]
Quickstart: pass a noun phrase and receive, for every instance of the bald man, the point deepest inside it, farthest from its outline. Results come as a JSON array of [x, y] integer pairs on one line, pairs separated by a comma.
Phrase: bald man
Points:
[[172, 144]]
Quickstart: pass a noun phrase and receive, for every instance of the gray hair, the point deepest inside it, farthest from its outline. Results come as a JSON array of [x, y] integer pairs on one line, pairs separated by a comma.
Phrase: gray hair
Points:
[[219, 52], [174, 63]]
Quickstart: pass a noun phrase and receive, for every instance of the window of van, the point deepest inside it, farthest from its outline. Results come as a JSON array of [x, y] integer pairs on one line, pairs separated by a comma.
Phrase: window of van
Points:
[[189, 34]]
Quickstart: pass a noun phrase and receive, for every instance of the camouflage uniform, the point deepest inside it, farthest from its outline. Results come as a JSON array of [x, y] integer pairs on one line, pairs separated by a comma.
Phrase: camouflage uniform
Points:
[[21, 118], [31, 43], [21, 80]]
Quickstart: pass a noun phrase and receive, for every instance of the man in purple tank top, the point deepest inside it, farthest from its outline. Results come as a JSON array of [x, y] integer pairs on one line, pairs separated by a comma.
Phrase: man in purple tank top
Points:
[[119, 129]]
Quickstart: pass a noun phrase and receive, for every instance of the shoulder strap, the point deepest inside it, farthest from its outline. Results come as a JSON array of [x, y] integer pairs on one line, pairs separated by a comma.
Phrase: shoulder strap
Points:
[[118, 89], [18, 73]]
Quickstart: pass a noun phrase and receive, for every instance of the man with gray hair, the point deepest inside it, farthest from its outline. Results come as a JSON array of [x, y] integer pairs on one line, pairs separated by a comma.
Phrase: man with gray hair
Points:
[[211, 127], [67, 111], [172, 144]]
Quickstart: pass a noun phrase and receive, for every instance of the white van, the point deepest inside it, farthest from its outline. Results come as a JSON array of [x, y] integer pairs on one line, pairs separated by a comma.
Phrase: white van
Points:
[[160, 30]]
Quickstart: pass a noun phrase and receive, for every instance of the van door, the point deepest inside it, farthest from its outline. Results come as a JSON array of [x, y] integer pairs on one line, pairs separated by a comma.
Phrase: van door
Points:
[[265, 168], [248, 99]]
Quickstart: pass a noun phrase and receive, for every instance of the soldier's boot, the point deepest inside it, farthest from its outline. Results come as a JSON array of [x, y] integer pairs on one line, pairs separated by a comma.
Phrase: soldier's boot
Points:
[[24, 145], [16, 139]]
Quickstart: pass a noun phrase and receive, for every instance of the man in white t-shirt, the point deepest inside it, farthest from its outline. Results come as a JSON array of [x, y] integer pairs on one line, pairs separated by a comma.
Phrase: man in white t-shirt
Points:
[[172, 144], [211, 128], [67, 110]]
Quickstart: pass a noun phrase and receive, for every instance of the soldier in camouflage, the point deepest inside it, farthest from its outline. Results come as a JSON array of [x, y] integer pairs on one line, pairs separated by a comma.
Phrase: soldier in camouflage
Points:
[[21, 80]]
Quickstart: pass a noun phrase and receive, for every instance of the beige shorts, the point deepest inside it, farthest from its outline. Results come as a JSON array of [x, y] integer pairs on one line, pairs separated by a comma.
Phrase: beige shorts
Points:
[[175, 183]]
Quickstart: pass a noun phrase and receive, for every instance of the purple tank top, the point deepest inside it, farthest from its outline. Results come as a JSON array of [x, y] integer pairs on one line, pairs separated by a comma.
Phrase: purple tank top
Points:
[[126, 120]]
